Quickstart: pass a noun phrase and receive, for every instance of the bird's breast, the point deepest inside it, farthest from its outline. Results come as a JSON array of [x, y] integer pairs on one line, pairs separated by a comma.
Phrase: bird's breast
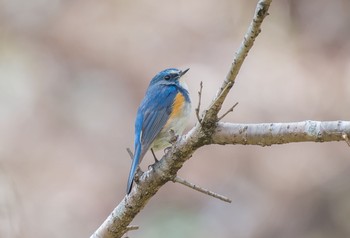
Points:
[[178, 105], [177, 122]]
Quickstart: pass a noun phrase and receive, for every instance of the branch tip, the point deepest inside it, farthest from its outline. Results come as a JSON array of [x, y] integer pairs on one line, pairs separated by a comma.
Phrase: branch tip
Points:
[[132, 228]]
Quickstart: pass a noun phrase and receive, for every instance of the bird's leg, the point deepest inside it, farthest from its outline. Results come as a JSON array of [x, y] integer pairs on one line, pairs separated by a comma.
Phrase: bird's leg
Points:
[[155, 159], [172, 140], [154, 156]]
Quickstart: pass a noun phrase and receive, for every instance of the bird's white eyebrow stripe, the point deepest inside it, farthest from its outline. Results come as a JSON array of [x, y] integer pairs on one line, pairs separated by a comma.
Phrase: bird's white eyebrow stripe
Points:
[[172, 71]]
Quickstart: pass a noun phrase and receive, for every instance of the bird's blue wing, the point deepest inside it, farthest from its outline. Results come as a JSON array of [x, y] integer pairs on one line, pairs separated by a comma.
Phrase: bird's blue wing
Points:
[[152, 115], [156, 113]]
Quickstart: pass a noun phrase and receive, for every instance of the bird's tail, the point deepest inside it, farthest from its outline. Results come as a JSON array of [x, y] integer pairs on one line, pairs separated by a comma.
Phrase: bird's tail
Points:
[[134, 165]]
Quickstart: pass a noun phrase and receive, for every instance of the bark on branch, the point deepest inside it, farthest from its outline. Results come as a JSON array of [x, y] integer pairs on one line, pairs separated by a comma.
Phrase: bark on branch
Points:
[[266, 134]]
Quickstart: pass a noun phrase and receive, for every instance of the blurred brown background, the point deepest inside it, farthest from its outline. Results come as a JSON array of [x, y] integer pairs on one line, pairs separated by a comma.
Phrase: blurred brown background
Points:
[[72, 74]]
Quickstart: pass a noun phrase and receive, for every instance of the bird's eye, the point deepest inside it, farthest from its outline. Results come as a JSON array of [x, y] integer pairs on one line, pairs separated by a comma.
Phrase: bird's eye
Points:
[[167, 77]]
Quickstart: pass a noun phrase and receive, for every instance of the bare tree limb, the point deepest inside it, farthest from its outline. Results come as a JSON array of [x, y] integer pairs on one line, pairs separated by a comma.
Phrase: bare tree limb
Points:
[[266, 134]]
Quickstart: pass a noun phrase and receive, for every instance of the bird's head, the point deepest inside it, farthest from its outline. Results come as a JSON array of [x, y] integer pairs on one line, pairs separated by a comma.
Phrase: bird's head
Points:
[[168, 76]]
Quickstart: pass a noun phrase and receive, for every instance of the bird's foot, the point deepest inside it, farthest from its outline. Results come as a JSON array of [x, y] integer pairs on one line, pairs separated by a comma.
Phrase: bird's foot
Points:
[[167, 149], [151, 166], [173, 137]]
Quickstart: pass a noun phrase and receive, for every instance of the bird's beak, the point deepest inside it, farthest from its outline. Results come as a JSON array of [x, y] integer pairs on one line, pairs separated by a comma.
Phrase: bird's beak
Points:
[[183, 72]]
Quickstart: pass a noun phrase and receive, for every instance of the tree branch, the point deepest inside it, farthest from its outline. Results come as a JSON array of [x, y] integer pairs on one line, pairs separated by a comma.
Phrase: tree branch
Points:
[[266, 134]]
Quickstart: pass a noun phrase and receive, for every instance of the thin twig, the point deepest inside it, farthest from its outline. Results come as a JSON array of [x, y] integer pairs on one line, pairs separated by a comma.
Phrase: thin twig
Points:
[[130, 153], [132, 228], [202, 190], [228, 111], [346, 138], [199, 102]]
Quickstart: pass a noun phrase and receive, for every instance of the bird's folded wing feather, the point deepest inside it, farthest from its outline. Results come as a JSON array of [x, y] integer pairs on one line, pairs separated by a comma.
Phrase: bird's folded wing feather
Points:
[[155, 110]]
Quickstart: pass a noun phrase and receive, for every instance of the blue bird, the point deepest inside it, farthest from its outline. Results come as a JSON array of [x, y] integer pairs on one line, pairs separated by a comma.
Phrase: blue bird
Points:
[[166, 107]]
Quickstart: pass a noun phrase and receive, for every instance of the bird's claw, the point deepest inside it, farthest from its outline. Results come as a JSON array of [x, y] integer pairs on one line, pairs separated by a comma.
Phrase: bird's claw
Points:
[[167, 149], [151, 166], [173, 137]]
